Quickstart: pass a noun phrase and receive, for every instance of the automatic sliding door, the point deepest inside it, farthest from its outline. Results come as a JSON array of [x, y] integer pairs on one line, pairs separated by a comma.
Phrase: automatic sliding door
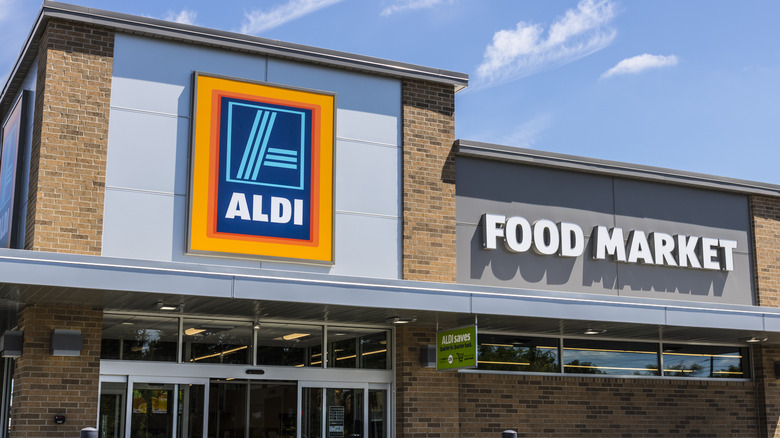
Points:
[[152, 414], [250, 409], [190, 412], [154, 410], [339, 412]]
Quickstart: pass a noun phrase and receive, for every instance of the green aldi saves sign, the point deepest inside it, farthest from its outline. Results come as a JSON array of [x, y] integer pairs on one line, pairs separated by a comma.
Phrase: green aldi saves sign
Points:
[[456, 349]]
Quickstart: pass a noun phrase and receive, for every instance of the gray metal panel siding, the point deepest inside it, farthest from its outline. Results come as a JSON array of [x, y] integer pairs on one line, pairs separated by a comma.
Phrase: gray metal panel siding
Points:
[[148, 165], [468, 148], [589, 200]]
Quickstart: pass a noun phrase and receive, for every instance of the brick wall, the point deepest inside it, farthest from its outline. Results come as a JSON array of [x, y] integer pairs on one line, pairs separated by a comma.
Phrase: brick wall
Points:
[[429, 182], [46, 385], [68, 165], [766, 235], [450, 404], [557, 406], [426, 401]]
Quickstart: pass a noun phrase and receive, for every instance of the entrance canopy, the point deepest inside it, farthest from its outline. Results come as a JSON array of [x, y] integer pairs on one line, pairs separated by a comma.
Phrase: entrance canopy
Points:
[[145, 286]]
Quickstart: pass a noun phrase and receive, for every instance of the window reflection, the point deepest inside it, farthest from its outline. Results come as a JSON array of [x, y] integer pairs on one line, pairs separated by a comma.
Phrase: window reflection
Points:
[[216, 341], [350, 347], [517, 353], [129, 337], [289, 345], [610, 357], [704, 361]]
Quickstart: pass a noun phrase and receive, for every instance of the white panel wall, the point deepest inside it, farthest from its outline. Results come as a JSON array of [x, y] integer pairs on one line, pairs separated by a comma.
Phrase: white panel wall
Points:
[[148, 161]]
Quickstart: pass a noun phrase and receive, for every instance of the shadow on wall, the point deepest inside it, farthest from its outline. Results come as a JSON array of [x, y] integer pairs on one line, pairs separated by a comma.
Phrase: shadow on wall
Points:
[[583, 274]]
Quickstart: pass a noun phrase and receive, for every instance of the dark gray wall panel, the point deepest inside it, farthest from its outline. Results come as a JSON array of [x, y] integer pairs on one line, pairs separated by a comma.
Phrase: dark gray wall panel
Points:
[[531, 192], [590, 200], [689, 284], [674, 209]]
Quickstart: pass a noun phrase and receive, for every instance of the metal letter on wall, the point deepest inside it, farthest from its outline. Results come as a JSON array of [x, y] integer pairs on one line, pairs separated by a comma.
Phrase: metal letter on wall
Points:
[[262, 170]]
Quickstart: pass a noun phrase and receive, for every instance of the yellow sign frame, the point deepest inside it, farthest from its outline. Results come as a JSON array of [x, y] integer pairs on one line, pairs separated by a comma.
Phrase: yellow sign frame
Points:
[[203, 237]]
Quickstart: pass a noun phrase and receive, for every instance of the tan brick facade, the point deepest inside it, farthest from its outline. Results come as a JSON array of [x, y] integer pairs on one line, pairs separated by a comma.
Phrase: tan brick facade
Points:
[[765, 212], [426, 400], [766, 235], [46, 385], [428, 182], [70, 139], [452, 404]]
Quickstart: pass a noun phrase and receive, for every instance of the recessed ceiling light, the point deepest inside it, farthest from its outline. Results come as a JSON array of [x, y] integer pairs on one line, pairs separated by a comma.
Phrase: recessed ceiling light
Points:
[[293, 336], [399, 320], [755, 340], [193, 331], [592, 331], [162, 306]]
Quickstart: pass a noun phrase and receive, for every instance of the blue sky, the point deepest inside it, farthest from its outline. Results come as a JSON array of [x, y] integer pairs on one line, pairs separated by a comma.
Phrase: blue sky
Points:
[[689, 85]]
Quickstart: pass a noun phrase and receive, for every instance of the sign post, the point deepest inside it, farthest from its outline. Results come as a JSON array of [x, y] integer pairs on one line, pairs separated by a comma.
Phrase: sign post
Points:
[[456, 348]]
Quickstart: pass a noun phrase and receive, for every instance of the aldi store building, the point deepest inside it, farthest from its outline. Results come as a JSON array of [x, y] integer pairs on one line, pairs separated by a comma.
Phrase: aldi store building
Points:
[[208, 234]]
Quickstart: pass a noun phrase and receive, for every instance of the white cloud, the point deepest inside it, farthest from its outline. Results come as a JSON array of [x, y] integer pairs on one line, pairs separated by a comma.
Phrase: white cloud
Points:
[[408, 5], [640, 63], [184, 17], [527, 135], [525, 50], [258, 20]]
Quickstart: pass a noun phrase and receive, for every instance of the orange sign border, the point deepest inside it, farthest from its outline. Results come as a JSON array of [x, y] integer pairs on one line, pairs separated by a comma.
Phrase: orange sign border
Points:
[[203, 237]]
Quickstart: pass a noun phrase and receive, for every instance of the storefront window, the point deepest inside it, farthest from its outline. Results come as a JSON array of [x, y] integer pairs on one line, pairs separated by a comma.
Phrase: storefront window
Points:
[[610, 357], [518, 353], [705, 361], [350, 347], [216, 341], [289, 345], [130, 337]]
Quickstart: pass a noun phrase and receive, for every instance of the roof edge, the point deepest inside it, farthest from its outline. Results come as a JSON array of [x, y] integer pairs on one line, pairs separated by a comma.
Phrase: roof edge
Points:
[[229, 40], [251, 43], [468, 148]]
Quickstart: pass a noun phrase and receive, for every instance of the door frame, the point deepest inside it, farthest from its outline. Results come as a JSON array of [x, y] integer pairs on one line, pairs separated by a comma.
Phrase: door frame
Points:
[[366, 387], [131, 380]]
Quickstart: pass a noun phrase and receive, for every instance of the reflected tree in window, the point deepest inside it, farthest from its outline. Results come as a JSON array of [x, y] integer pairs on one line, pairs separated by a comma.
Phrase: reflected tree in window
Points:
[[507, 353]]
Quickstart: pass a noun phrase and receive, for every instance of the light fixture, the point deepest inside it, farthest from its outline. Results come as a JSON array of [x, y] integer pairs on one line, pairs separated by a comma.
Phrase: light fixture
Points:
[[399, 320], [293, 336], [66, 342], [162, 306], [592, 331], [11, 343], [256, 325], [755, 340], [192, 331]]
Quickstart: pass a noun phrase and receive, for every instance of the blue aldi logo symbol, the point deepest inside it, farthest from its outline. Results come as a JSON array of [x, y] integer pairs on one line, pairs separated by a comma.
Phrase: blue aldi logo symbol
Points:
[[266, 182], [262, 171], [274, 152]]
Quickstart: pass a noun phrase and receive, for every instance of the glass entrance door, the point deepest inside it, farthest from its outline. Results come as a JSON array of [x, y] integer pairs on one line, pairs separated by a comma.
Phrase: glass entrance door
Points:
[[343, 412], [252, 409], [166, 410], [156, 409], [241, 408]]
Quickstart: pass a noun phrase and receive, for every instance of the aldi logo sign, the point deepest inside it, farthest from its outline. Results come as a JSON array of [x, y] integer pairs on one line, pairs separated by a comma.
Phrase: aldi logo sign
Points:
[[262, 171]]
